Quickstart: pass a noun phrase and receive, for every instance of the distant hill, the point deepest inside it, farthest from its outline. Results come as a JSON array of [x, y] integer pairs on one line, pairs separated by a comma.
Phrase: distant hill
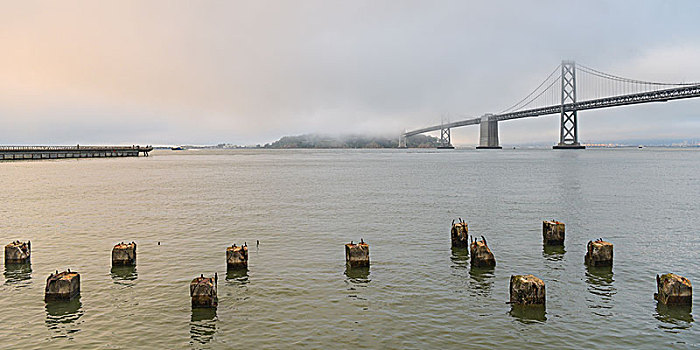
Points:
[[351, 141]]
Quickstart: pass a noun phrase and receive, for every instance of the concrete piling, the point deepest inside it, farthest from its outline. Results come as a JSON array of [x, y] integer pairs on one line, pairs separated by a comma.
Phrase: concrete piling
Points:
[[527, 290], [460, 234], [124, 254], [553, 232], [673, 290], [481, 255], [18, 252], [357, 255], [599, 253], [203, 291], [237, 257], [62, 286]]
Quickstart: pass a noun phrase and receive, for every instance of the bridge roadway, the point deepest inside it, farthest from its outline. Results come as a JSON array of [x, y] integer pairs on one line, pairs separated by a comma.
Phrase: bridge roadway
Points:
[[684, 92]]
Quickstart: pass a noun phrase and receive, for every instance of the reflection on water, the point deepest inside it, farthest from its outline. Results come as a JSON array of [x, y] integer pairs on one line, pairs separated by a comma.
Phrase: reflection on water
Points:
[[601, 290], [63, 317], [16, 273], [674, 317], [237, 276], [121, 274], [481, 280], [358, 275], [202, 325], [529, 313], [553, 253], [460, 257]]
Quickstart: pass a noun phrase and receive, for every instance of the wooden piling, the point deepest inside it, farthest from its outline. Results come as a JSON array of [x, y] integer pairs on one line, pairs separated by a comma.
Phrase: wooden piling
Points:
[[527, 290], [553, 232], [124, 254], [357, 255], [460, 234], [62, 286], [203, 292], [481, 255], [673, 290], [18, 252], [599, 253], [237, 257]]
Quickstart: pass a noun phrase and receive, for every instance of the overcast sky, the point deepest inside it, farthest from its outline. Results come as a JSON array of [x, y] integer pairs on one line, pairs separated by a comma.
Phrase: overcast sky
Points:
[[245, 72]]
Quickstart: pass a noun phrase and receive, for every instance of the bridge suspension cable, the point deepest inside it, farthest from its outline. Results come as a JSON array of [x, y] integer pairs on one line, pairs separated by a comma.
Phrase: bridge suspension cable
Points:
[[526, 101]]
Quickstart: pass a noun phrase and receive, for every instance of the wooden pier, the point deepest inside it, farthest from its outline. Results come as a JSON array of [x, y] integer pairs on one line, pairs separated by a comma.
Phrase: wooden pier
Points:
[[62, 152]]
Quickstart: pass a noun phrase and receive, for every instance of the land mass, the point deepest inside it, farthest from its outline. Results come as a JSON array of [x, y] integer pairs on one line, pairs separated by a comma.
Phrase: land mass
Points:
[[353, 141]]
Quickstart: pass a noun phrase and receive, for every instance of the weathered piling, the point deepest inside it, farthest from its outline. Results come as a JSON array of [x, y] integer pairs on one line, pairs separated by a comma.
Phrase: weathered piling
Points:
[[481, 255], [203, 291], [599, 253], [18, 252], [124, 254], [357, 255], [553, 232], [673, 290], [527, 290], [62, 286], [460, 234], [237, 257]]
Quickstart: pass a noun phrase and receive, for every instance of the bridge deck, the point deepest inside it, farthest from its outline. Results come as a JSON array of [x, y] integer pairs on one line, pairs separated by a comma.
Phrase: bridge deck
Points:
[[691, 91]]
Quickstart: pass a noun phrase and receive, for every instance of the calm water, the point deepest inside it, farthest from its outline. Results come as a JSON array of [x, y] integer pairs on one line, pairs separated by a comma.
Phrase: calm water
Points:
[[304, 205]]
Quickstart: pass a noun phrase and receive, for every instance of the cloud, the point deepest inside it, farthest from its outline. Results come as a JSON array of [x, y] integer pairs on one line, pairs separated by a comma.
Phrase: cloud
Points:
[[252, 71]]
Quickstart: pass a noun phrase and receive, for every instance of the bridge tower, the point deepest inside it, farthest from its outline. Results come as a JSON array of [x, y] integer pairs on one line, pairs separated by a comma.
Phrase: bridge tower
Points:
[[568, 130], [402, 141], [488, 133], [445, 139]]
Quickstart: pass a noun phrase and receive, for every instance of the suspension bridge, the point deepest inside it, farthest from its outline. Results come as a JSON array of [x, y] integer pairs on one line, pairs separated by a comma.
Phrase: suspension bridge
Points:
[[558, 94]]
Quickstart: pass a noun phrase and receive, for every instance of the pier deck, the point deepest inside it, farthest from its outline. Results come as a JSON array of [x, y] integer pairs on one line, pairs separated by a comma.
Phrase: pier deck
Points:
[[61, 152]]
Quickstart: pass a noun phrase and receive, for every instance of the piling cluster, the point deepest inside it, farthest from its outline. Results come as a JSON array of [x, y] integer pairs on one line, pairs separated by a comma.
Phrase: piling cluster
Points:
[[18, 252], [357, 254], [524, 289]]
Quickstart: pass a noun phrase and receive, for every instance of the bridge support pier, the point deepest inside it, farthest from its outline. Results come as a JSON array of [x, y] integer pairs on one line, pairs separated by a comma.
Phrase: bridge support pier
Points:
[[488, 133]]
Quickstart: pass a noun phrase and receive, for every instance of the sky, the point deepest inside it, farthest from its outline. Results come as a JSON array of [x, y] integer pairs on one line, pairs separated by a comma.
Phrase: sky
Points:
[[247, 72]]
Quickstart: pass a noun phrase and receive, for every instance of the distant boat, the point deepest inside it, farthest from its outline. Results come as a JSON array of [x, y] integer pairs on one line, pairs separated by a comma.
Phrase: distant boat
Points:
[[177, 148], [641, 146]]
